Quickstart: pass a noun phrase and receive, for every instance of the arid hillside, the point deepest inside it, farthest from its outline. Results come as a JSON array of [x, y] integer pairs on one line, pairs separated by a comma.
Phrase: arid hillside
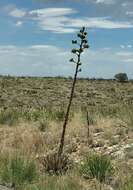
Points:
[[54, 92], [97, 154]]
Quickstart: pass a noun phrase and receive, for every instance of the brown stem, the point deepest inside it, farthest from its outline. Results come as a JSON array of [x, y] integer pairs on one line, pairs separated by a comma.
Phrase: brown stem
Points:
[[67, 114], [69, 105], [88, 123]]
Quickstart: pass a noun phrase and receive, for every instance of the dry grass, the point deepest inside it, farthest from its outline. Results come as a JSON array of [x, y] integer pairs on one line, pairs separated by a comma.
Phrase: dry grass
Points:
[[38, 126], [27, 139], [25, 93]]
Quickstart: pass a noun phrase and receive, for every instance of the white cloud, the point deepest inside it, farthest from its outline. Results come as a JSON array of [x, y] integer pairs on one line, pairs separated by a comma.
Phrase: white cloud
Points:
[[124, 53], [127, 4], [54, 19], [17, 13], [19, 23], [56, 24], [97, 22], [108, 2], [129, 46], [58, 20], [129, 13], [126, 56], [130, 60], [124, 4], [34, 60], [51, 12], [126, 46], [122, 46]]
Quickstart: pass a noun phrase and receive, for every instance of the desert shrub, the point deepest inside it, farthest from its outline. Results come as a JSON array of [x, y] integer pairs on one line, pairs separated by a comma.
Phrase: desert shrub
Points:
[[53, 164], [108, 111], [128, 186], [9, 117], [31, 115], [97, 166], [17, 171], [56, 115], [59, 115], [36, 115], [43, 125], [26, 115], [121, 77]]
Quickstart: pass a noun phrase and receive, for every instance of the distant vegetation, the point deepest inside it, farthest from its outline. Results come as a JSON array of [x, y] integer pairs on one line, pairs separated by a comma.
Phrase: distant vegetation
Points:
[[121, 77]]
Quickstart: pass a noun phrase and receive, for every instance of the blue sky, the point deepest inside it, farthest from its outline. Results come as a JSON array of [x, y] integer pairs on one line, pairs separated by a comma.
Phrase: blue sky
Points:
[[35, 37]]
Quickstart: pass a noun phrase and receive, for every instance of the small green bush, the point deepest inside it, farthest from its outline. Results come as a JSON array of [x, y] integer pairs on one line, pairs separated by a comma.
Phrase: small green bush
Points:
[[9, 117], [121, 77], [32, 115], [59, 115], [128, 186], [97, 166], [17, 171], [56, 115], [43, 125]]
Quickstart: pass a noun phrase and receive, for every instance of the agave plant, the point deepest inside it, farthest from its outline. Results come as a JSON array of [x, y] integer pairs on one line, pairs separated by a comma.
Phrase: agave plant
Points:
[[82, 44], [97, 166]]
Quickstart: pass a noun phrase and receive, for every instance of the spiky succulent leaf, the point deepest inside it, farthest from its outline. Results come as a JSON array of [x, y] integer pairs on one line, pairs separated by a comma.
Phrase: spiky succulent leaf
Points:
[[79, 63], [85, 33], [86, 46], [82, 30], [71, 60], [74, 50], [80, 70], [80, 35], [80, 50], [74, 41], [85, 41]]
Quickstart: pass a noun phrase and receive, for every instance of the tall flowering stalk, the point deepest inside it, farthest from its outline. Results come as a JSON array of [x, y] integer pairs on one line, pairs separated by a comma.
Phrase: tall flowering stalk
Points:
[[82, 44]]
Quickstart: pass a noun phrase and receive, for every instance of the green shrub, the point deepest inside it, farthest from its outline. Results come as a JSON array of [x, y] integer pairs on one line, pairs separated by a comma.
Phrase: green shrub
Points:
[[56, 115], [43, 125], [59, 115], [128, 186], [9, 117], [31, 115], [17, 171], [97, 166], [121, 77]]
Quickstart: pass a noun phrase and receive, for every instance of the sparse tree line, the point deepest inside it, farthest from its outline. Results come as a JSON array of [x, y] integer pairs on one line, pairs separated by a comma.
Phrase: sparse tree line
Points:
[[120, 77]]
